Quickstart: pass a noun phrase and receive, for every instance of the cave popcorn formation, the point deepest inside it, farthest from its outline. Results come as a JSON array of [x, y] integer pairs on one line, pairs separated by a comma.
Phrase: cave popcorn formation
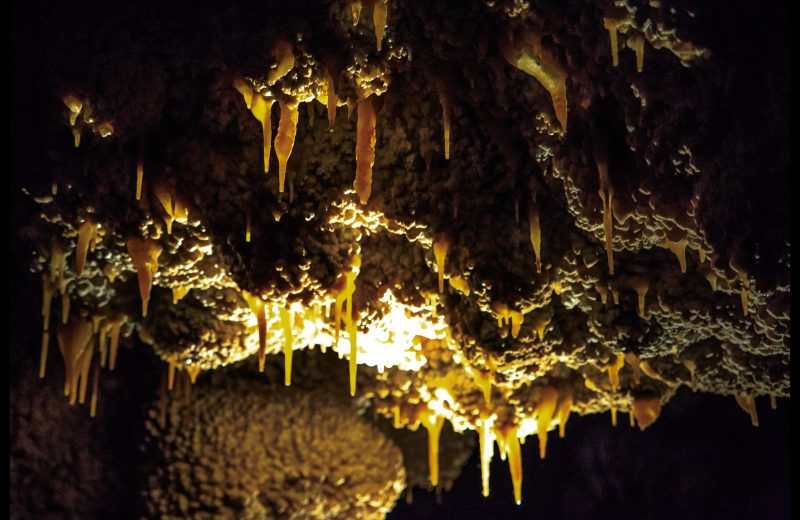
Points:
[[524, 333]]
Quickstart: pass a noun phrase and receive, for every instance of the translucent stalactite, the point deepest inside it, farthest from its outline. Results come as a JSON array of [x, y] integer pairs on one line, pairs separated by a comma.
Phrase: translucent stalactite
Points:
[[679, 249], [352, 332], [172, 367], [192, 371], [140, 170], [540, 323], [602, 290], [365, 148], [248, 225], [116, 326], [284, 139], [459, 284], [176, 211], [613, 416], [443, 101], [646, 410], [486, 441], [102, 342], [545, 412], [433, 423], [95, 390], [245, 89], [258, 308], [332, 100], [178, 293], [528, 55], [536, 235], [564, 410], [285, 62], [510, 445], [440, 247], [48, 291], [773, 402], [87, 236], [75, 105], [73, 339], [286, 317], [85, 364], [262, 111], [606, 193], [633, 361], [76, 135], [613, 371], [641, 284], [355, 10], [748, 403], [636, 42], [484, 384], [611, 25], [144, 253], [380, 11]]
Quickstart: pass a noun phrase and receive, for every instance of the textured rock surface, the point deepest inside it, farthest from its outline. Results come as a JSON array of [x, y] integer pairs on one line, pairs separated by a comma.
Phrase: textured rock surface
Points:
[[640, 247]]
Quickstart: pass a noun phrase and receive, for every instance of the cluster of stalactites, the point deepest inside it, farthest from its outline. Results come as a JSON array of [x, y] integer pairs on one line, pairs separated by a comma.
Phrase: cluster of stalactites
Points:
[[551, 406], [344, 290], [380, 13], [260, 105], [614, 23], [75, 342], [175, 209], [507, 316], [80, 115]]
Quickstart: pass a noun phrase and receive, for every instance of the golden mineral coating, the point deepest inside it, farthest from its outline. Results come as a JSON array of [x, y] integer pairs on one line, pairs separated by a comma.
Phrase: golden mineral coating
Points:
[[653, 255]]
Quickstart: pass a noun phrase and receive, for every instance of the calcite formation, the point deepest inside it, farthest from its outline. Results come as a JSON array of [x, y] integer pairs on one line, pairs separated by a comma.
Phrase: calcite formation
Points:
[[608, 231]]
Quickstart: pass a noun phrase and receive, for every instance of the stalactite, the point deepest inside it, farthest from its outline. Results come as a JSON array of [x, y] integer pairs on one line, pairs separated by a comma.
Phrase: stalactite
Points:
[[258, 308], [606, 193], [262, 111], [545, 411], [332, 100], [613, 371], [679, 249], [646, 411], [540, 323], [486, 442], [87, 236], [528, 55], [564, 409], [380, 11], [611, 25], [284, 140], [355, 9], [433, 423], [440, 246], [443, 101], [641, 284], [144, 253], [636, 42], [73, 339], [95, 390], [116, 326], [365, 148], [512, 450], [288, 345], [140, 170], [536, 235], [748, 403], [285, 62]]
